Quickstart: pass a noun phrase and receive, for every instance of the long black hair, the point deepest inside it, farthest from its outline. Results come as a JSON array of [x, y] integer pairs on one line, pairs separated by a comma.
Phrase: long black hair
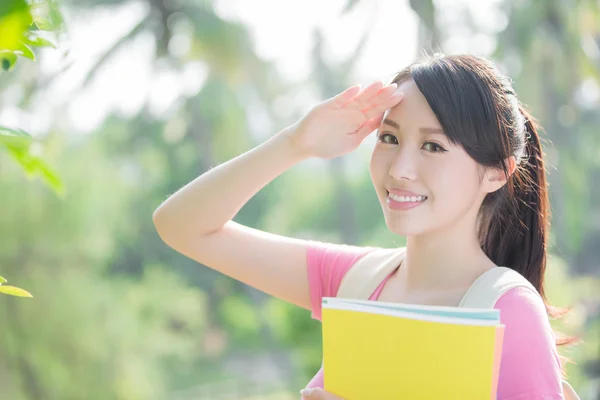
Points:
[[479, 110]]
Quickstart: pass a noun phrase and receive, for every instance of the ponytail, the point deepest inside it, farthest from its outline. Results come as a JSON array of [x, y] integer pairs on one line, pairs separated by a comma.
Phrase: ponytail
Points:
[[517, 216], [517, 219]]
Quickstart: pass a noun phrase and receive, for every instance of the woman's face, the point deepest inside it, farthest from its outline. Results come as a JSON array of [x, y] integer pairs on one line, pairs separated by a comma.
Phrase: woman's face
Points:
[[435, 184]]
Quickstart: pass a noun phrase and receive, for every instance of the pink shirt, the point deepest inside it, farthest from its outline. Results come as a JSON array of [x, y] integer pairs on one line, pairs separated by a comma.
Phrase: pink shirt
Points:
[[530, 366]]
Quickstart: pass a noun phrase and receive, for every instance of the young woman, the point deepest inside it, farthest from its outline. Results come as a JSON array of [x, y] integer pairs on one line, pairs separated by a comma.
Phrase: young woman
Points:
[[458, 171]]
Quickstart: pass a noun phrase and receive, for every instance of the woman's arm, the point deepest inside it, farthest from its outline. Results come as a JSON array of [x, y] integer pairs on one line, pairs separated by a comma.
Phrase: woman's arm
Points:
[[197, 220], [204, 205], [530, 366]]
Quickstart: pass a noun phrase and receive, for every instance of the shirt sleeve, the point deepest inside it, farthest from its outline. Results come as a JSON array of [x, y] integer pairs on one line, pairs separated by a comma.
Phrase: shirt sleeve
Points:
[[530, 367], [327, 264]]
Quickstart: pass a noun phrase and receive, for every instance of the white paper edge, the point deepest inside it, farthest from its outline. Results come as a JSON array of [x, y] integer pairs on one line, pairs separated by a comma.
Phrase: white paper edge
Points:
[[410, 315]]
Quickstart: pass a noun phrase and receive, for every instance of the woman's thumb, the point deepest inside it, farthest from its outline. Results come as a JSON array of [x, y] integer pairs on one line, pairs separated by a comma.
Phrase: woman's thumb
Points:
[[318, 394]]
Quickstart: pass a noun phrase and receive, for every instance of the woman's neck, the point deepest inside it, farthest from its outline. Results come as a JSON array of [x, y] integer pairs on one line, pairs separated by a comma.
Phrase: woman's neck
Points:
[[443, 260]]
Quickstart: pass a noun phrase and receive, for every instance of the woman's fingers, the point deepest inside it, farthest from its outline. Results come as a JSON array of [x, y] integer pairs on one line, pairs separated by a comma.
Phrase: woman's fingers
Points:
[[318, 394], [383, 103], [372, 97], [359, 102], [369, 127], [340, 99]]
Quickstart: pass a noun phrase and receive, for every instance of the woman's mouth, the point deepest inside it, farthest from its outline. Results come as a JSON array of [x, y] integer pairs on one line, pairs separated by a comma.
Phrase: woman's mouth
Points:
[[396, 202]]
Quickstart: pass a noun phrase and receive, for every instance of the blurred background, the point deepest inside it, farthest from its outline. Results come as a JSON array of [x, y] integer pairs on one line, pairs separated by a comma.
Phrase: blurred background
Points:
[[109, 106]]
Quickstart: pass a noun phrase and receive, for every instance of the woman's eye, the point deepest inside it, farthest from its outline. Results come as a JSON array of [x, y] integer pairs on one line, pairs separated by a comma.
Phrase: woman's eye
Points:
[[385, 137], [433, 147]]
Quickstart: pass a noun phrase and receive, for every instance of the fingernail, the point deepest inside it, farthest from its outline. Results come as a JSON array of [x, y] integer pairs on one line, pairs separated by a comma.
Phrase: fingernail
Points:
[[306, 392]]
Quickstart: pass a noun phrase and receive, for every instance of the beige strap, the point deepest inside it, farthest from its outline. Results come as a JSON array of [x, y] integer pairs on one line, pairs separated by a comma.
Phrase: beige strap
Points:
[[491, 285], [369, 271]]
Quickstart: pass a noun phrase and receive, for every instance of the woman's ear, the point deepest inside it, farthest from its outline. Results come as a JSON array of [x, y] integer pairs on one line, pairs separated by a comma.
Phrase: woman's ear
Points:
[[495, 178]]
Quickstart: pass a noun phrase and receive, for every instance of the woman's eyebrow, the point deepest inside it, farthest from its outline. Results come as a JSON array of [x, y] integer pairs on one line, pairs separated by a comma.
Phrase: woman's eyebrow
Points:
[[425, 130], [391, 123]]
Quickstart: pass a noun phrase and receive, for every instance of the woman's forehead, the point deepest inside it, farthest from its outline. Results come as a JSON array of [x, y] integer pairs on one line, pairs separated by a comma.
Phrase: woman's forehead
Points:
[[413, 108]]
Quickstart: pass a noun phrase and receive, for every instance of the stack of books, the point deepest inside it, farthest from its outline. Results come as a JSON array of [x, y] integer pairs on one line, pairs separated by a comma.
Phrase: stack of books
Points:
[[376, 351]]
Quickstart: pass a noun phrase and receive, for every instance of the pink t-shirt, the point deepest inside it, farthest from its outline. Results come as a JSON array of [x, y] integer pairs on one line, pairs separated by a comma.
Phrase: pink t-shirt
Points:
[[530, 366]]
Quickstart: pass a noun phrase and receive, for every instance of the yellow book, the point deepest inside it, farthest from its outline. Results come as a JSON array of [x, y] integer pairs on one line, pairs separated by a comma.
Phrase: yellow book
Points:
[[379, 351]]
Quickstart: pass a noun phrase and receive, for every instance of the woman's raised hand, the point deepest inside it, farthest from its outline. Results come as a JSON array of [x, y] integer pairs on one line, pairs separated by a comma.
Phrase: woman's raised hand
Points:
[[338, 125]]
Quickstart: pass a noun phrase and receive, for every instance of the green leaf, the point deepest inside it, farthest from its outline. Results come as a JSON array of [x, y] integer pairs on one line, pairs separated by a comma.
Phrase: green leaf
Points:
[[50, 176], [13, 24], [47, 16], [11, 6], [25, 51], [8, 59], [14, 291], [35, 166], [18, 144], [43, 24], [14, 137], [2, 280], [55, 14], [21, 155]]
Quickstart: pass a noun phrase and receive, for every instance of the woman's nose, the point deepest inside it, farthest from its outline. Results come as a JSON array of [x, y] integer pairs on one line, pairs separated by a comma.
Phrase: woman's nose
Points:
[[404, 165]]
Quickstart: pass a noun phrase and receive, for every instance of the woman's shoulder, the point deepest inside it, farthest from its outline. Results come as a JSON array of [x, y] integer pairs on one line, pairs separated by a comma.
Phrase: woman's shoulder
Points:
[[522, 301], [333, 258], [327, 258], [523, 308], [327, 264], [328, 254]]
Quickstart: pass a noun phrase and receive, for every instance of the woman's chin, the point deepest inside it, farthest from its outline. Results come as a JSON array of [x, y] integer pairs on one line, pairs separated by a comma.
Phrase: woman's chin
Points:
[[404, 228]]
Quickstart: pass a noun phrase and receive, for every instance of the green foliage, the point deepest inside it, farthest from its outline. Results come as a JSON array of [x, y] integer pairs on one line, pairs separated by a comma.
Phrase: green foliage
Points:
[[240, 318], [112, 341], [113, 335], [11, 290], [298, 332], [20, 28], [25, 25], [21, 146], [576, 323]]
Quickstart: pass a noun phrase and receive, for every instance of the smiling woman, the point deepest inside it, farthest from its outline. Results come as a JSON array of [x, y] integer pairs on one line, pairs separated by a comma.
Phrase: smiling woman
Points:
[[457, 168]]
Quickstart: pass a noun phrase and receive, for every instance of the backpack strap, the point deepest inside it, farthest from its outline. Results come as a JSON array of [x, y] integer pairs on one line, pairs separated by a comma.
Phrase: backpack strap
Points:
[[491, 285], [369, 271]]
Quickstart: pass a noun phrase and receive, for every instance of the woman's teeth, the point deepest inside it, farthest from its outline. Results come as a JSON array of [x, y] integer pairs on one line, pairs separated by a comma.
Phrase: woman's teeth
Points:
[[407, 199]]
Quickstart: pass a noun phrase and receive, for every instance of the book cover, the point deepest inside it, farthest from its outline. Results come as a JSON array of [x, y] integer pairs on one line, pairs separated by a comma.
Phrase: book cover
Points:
[[377, 350]]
